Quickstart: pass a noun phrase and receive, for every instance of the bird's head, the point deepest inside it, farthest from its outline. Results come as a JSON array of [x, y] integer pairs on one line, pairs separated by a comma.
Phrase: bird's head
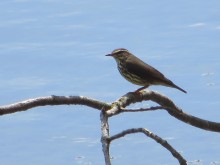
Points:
[[119, 54]]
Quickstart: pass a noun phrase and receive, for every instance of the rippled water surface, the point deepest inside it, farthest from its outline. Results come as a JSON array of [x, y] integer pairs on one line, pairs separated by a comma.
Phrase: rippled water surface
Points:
[[54, 47]]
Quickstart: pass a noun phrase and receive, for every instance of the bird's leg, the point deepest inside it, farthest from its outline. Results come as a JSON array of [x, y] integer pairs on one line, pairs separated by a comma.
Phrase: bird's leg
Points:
[[140, 89]]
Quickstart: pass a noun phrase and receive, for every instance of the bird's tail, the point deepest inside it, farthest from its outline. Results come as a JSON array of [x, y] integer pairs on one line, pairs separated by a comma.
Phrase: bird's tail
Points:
[[169, 83], [175, 86]]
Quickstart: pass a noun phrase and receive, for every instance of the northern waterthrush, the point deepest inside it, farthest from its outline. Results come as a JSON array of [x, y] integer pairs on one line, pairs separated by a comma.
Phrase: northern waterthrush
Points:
[[138, 72]]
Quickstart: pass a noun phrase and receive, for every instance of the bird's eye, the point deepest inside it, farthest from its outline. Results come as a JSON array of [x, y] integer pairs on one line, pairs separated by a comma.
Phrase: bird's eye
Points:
[[118, 53]]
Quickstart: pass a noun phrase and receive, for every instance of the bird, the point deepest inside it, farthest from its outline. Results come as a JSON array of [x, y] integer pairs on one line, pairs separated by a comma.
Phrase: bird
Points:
[[138, 72]]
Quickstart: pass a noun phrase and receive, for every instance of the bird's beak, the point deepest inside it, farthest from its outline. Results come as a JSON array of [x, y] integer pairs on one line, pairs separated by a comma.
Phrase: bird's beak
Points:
[[109, 54]]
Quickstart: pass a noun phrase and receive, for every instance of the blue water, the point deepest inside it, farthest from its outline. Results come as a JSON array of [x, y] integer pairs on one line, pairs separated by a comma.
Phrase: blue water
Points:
[[57, 48]]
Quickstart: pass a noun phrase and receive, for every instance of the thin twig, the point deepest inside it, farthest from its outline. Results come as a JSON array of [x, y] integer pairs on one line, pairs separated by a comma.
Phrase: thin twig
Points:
[[143, 109], [158, 139]]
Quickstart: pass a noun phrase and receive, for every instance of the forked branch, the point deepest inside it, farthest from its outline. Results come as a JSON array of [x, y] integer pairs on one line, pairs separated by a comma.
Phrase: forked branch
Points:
[[115, 108], [158, 139]]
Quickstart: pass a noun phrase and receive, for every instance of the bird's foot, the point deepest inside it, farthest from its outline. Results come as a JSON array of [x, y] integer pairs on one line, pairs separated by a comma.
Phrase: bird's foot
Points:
[[140, 89]]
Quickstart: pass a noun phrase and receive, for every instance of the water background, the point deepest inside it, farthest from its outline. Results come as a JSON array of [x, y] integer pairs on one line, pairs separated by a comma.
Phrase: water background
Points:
[[55, 47]]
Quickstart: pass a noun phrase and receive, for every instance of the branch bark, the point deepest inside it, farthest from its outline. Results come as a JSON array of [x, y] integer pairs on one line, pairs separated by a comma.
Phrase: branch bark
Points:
[[105, 137], [53, 100], [115, 108], [158, 139], [143, 109], [169, 106]]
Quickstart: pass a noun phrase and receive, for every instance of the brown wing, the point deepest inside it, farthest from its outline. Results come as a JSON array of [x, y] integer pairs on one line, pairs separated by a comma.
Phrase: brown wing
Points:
[[141, 69], [152, 75]]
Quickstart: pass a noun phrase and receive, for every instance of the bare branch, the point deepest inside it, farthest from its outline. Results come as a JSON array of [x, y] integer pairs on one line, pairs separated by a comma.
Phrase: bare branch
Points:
[[108, 110], [158, 139], [53, 100], [168, 105], [114, 108], [105, 137]]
